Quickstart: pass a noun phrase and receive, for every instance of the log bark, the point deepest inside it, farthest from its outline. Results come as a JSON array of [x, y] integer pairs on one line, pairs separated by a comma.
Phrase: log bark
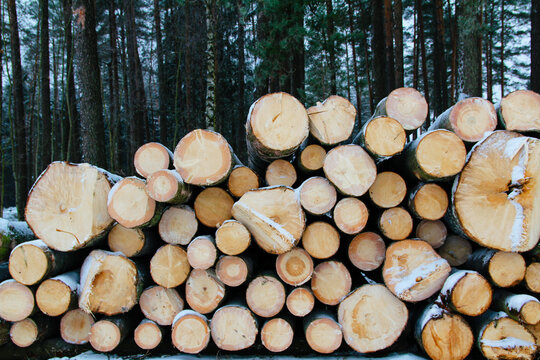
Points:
[[232, 238], [388, 190], [503, 269], [455, 250], [152, 157], [160, 304], [57, 295], [178, 225], [521, 307], [241, 180], [204, 291], [16, 301], [213, 206], [294, 267], [311, 158], [467, 292], [331, 282], [277, 335], [147, 335], [350, 215], [428, 201], [300, 301], [133, 242], [317, 195], [167, 186], [433, 232], [233, 271], [321, 240], [367, 251], [190, 332], [382, 137], [169, 266], [265, 295], [32, 330], [332, 121], [395, 223], [75, 326], [233, 328], [519, 111], [406, 105], [202, 252], [322, 332]]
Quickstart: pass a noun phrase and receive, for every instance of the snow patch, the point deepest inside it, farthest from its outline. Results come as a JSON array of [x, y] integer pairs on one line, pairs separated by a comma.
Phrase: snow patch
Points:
[[71, 279], [514, 145], [508, 343], [434, 311], [186, 312], [516, 302], [516, 234], [422, 272], [453, 279]]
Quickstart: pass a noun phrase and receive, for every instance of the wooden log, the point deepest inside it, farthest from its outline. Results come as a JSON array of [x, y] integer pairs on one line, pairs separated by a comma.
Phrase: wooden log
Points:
[[350, 215], [265, 296], [350, 169], [203, 158], [58, 294], [103, 271], [502, 168], [395, 223], [277, 335], [160, 304], [213, 206], [190, 332], [443, 335], [75, 326], [311, 158], [130, 205], [433, 232], [372, 318], [428, 201], [413, 271], [233, 328], [332, 121], [204, 291], [322, 332], [241, 180], [67, 206], [280, 172], [147, 335], [321, 240], [521, 307], [13, 233], [503, 269], [202, 252], [382, 137], [167, 186], [532, 277], [178, 225], [294, 267], [406, 105], [467, 292], [469, 119], [331, 282], [535, 330], [29, 331], [152, 157], [300, 301], [317, 195], [388, 190], [169, 266], [455, 250], [520, 111], [233, 270], [274, 217], [367, 251], [500, 337], [4, 332], [232, 238], [132, 242], [16, 301], [107, 333]]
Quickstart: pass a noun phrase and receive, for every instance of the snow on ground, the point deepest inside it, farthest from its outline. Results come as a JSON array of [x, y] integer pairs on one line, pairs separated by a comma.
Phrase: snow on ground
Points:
[[10, 213]]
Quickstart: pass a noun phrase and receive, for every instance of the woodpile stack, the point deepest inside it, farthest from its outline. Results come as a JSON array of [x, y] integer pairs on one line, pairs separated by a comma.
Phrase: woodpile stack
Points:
[[386, 240]]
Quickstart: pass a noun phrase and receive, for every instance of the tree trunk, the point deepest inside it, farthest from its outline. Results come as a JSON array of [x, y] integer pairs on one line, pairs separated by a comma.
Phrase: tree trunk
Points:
[[389, 47], [355, 67], [535, 46], [489, 51], [241, 82], [398, 39], [440, 87], [378, 51], [298, 56], [211, 65], [422, 43], [114, 90], [45, 86], [162, 81], [503, 29], [470, 56], [331, 46]]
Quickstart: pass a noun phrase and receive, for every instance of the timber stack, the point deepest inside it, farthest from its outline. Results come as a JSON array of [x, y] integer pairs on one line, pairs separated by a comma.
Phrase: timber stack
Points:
[[324, 241]]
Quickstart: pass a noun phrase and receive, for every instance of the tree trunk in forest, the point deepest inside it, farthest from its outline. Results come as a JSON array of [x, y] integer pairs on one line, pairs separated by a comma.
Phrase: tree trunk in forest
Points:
[[389, 47], [45, 86], [421, 41], [211, 66], [189, 121], [415, 51], [20, 161], [489, 52], [114, 88], [440, 90], [535, 46], [162, 81], [2, 162], [331, 47], [378, 51], [398, 39], [470, 57], [298, 60], [454, 39], [355, 67], [240, 80]]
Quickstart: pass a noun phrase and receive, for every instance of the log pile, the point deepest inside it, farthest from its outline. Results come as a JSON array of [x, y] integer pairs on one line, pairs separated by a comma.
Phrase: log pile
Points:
[[324, 242]]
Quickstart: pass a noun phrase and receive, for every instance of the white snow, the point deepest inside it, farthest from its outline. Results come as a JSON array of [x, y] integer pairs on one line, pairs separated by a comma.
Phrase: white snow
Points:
[[507, 343], [37, 243], [186, 312], [10, 213], [422, 272], [516, 234], [71, 279], [453, 279], [4, 226], [284, 233], [516, 302], [434, 311], [513, 146]]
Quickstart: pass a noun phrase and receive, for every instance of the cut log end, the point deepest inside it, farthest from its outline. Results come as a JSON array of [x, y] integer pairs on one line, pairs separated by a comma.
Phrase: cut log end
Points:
[[54, 297], [530, 312], [455, 250], [312, 158], [520, 111], [190, 332], [324, 335], [75, 326], [127, 241], [167, 186], [350, 215], [204, 291], [300, 302], [265, 296], [396, 223], [241, 180], [331, 282], [24, 333], [429, 202], [317, 195], [232, 238], [213, 206], [408, 106], [232, 270], [105, 336], [384, 137], [507, 269], [388, 190], [129, 204], [202, 252], [294, 267], [178, 225], [280, 172], [433, 232], [169, 266], [505, 338], [332, 121], [469, 293], [147, 335], [233, 328], [30, 262], [471, 118], [150, 158], [160, 304], [367, 251], [16, 301], [532, 277], [440, 154], [321, 240], [277, 335]]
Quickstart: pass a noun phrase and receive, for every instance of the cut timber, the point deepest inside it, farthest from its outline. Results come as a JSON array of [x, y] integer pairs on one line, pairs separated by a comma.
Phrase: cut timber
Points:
[[110, 283], [233, 328], [350, 215], [395, 223], [311, 158], [16, 301], [435, 156], [213, 206], [413, 271], [443, 335], [190, 332], [75, 326], [300, 301], [388, 190], [265, 296], [521, 307], [372, 318], [276, 126], [470, 119], [499, 185], [382, 137], [29, 331], [232, 238], [500, 337], [433, 232], [467, 292], [203, 158], [169, 266], [160, 304], [280, 172], [201, 252], [535, 330], [331, 282], [367, 251], [332, 121], [57, 295], [204, 291], [232, 270], [106, 334], [167, 186], [317, 195], [504, 269], [277, 335], [178, 225], [406, 105], [67, 206], [350, 169], [294, 267], [428, 201], [274, 217], [150, 158], [132, 242], [320, 240], [33, 261], [241, 180], [130, 205], [323, 333], [455, 250], [147, 335], [532, 277], [520, 111]]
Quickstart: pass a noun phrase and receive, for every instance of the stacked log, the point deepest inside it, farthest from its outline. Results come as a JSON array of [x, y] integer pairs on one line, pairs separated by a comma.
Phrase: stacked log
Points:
[[326, 241]]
